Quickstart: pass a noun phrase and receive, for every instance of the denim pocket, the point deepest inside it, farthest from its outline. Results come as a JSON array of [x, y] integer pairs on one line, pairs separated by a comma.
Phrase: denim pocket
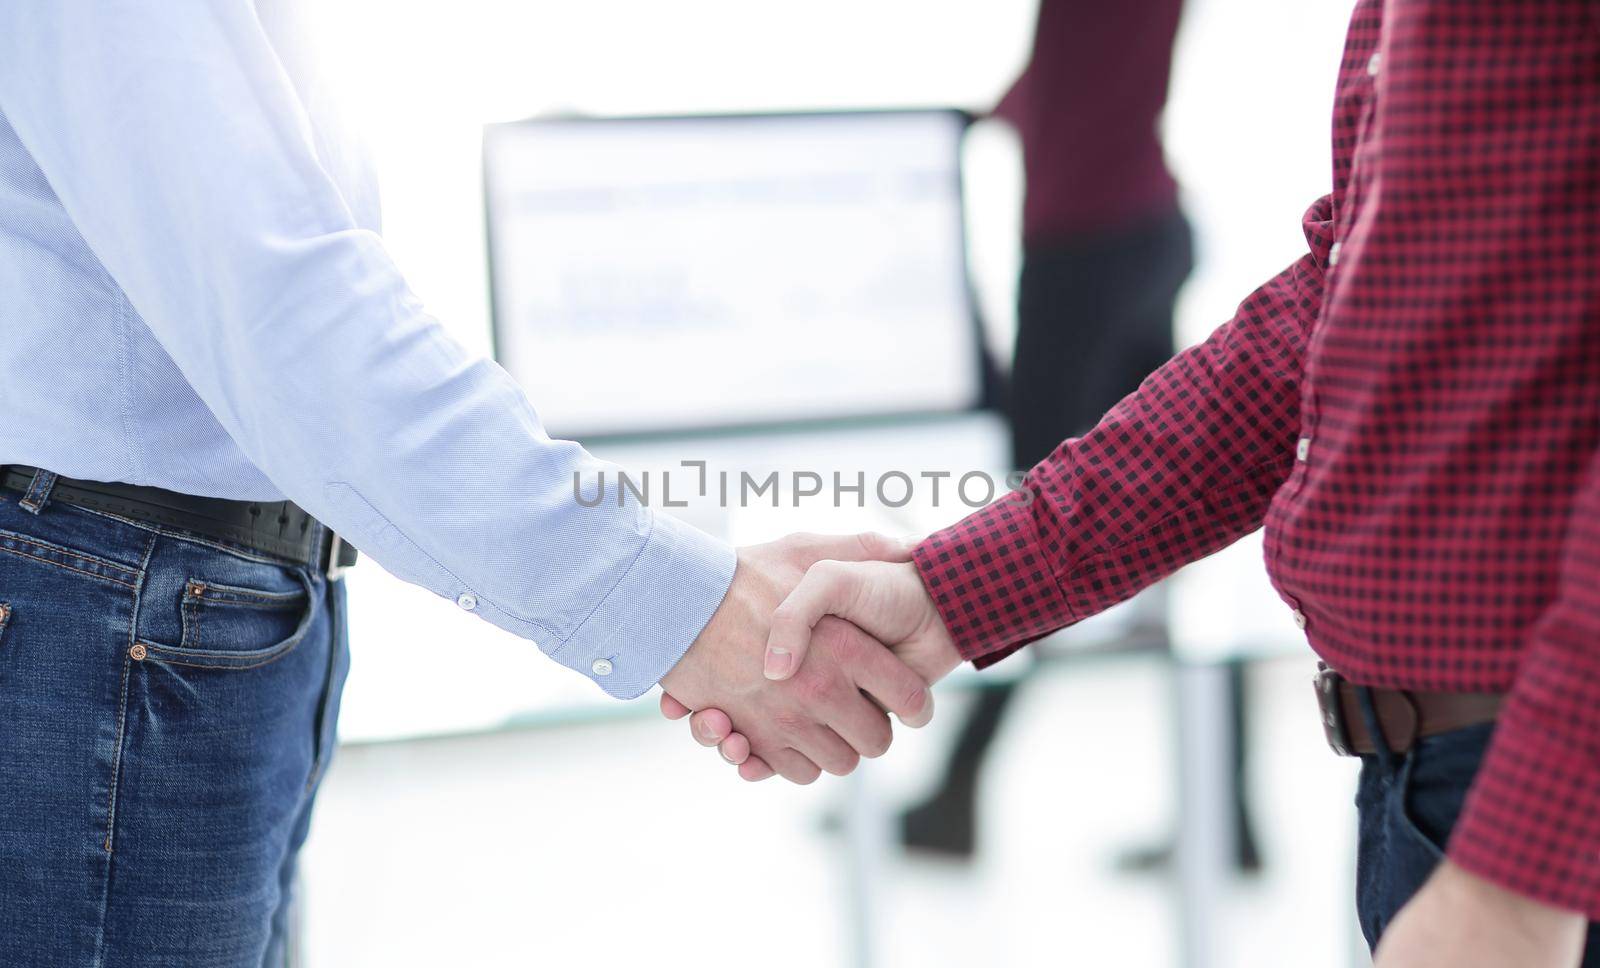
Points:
[[326, 729], [1425, 836], [234, 627], [232, 615], [1434, 782]]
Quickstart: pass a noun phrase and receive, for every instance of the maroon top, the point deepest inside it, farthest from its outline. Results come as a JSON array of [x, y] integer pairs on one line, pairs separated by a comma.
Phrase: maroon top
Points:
[[1413, 411], [1087, 108]]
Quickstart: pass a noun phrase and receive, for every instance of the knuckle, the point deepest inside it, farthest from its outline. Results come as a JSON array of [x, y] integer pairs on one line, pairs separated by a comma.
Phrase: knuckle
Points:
[[790, 723], [837, 638], [766, 746], [800, 540], [814, 688], [914, 700], [844, 764]]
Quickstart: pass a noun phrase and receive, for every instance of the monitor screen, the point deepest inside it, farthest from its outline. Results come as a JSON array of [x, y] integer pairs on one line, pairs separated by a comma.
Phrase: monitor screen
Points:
[[680, 274]]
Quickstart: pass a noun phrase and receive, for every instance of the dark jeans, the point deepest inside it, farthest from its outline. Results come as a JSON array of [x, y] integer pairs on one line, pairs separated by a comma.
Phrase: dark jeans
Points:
[[1408, 805], [167, 708]]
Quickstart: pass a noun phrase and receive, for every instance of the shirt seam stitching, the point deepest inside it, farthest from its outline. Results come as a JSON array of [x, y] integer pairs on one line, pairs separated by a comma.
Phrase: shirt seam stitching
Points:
[[125, 369], [563, 642]]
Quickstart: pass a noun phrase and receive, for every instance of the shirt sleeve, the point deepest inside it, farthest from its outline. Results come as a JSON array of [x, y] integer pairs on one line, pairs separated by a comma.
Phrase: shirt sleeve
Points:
[[172, 136], [1179, 469], [1531, 821]]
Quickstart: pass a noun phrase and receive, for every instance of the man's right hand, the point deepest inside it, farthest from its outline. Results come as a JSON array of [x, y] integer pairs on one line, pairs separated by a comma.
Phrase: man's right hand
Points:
[[811, 718], [885, 599]]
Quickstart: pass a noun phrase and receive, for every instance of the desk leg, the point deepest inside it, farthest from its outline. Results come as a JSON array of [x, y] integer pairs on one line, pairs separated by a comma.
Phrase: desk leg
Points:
[[1205, 826], [867, 828]]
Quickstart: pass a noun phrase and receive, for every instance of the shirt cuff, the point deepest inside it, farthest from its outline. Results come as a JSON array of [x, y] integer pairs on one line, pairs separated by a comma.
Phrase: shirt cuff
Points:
[[652, 616], [1531, 822], [990, 578]]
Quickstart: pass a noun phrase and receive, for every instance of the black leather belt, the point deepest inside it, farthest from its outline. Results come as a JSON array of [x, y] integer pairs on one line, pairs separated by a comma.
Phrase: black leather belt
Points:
[[281, 529]]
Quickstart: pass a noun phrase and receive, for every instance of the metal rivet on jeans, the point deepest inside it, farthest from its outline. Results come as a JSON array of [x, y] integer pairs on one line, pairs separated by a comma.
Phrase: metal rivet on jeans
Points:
[[137, 653]]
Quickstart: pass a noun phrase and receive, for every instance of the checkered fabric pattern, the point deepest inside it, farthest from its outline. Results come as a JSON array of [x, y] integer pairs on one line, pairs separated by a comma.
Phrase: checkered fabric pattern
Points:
[[1412, 410]]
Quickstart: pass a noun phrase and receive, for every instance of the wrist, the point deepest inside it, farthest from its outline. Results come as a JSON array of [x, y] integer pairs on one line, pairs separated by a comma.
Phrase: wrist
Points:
[[1534, 922], [936, 655]]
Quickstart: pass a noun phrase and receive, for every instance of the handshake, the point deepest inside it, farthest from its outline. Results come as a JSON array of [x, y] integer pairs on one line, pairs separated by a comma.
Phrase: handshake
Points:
[[817, 640]]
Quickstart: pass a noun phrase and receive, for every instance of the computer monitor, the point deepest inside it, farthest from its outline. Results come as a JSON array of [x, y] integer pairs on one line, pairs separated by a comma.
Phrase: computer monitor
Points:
[[681, 274]]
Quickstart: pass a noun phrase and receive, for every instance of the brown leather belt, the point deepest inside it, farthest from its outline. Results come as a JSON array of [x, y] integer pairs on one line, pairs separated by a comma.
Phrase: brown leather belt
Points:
[[1405, 716]]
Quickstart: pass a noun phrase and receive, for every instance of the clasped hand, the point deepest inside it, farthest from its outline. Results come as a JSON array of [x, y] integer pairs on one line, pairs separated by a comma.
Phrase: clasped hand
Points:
[[817, 640]]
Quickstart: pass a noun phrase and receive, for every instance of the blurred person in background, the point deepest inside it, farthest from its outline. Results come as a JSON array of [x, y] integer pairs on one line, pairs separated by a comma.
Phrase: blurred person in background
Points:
[[1411, 409], [214, 378], [1105, 250]]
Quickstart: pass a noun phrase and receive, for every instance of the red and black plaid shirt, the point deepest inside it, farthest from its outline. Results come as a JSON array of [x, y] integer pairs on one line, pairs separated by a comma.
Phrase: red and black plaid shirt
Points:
[[1412, 410]]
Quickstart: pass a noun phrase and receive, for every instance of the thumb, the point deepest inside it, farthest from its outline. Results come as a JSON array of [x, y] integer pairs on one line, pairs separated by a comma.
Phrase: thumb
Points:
[[827, 588]]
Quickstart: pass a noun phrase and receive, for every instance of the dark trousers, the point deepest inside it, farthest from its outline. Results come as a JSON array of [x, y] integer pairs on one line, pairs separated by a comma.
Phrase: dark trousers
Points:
[[1094, 318], [1408, 804]]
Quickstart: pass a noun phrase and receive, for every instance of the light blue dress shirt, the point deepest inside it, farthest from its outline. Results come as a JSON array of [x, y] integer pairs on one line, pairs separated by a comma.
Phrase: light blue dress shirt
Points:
[[193, 295]]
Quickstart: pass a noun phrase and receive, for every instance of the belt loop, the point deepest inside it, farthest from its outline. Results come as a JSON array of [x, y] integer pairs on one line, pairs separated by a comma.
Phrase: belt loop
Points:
[[38, 493], [1369, 716]]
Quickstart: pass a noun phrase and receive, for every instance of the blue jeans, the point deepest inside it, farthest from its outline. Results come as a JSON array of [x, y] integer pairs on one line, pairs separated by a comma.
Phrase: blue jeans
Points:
[[1408, 804], [167, 708]]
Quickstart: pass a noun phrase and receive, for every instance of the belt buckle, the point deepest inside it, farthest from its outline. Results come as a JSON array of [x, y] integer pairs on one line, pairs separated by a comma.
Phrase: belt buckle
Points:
[[1334, 728], [334, 570]]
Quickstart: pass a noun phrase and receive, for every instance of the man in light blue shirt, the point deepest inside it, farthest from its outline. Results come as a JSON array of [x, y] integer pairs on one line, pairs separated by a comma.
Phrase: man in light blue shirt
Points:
[[195, 299]]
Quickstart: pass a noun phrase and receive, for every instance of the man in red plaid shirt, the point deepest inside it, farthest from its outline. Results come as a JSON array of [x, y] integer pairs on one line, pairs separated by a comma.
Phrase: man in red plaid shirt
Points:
[[1412, 410]]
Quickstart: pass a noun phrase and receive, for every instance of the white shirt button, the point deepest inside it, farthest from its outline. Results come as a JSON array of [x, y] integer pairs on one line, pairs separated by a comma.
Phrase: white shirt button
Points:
[[1333, 254], [1375, 63], [467, 600], [1302, 449], [601, 667], [1299, 619]]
